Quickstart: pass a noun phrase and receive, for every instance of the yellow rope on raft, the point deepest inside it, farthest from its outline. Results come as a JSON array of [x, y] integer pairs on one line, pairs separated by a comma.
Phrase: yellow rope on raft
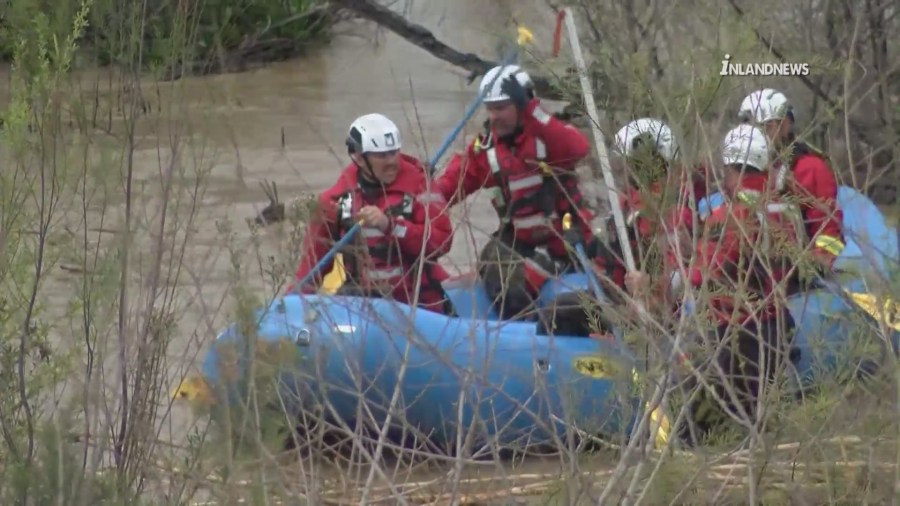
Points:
[[885, 311]]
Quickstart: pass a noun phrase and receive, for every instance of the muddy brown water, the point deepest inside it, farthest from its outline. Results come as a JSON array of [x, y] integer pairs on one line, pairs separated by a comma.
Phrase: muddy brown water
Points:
[[286, 123]]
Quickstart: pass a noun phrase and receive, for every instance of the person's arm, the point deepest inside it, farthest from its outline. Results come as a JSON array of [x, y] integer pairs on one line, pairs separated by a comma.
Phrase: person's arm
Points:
[[429, 226], [464, 175], [566, 146], [316, 244], [819, 190]]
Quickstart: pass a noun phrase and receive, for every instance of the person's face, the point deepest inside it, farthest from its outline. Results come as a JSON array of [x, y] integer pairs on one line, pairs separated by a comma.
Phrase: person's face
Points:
[[777, 130], [384, 166], [731, 179], [647, 166], [503, 117]]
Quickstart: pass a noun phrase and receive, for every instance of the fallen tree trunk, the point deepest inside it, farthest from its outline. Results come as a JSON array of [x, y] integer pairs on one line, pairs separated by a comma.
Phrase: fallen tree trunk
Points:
[[422, 37]]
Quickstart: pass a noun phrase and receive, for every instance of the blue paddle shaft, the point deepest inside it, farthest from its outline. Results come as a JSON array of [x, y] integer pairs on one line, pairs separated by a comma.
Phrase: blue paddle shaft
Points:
[[470, 110], [586, 265], [592, 279]]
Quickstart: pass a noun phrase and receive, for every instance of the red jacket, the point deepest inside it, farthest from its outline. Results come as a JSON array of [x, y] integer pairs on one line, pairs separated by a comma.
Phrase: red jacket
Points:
[[815, 189], [732, 257], [419, 226], [678, 223], [535, 175]]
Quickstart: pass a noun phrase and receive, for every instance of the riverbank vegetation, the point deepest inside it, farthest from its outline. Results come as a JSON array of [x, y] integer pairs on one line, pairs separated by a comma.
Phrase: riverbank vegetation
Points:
[[172, 36], [106, 245]]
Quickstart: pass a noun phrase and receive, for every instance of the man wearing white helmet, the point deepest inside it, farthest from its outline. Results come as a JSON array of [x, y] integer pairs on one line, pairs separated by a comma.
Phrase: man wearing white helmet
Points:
[[804, 175], [743, 252], [659, 195], [528, 157], [405, 228]]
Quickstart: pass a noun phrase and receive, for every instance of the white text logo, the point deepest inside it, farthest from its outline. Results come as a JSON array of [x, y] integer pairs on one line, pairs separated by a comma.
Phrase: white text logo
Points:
[[762, 69]]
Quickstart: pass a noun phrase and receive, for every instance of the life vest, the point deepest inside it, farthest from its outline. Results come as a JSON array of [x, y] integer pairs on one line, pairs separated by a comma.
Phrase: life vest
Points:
[[782, 218], [713, 206], [528, 197], [785, 215], [386, 267]]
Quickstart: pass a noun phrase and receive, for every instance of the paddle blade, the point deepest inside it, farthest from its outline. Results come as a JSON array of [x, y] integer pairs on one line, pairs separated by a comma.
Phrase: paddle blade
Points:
[[334, 279]]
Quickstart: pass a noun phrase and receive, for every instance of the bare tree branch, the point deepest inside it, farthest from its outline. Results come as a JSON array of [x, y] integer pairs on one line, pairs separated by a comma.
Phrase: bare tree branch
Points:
[[423, 38]]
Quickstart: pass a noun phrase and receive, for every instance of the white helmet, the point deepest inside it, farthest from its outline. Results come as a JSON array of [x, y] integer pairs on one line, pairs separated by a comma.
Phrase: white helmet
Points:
[[764, 105], [746, 145], [373, 133], [653, 130], [495, 93]]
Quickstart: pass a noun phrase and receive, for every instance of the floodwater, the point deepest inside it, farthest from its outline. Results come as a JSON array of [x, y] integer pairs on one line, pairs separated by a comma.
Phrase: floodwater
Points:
[[286, 123]]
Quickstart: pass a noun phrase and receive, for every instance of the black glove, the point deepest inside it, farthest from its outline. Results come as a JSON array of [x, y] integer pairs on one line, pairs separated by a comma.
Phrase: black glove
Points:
[[515, 91]]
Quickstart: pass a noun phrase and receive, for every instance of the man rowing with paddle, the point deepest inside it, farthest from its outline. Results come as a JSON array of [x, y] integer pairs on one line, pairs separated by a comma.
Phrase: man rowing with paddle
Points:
[[528, 157], [405, 227]]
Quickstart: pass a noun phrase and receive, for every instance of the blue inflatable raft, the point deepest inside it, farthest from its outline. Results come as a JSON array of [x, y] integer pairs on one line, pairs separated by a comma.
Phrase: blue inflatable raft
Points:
[[492, 382], [356, 361]]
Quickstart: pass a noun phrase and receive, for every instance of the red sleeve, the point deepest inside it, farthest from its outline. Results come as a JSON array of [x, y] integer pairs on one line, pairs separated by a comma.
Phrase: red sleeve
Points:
[[464, 174], [315, 245], [818, 190], [566, 146], [430, 227]]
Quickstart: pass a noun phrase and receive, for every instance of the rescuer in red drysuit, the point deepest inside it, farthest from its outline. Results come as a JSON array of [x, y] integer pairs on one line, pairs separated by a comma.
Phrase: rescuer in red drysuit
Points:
[[803, 176], [403, 223], [650, 153], [528, 158]]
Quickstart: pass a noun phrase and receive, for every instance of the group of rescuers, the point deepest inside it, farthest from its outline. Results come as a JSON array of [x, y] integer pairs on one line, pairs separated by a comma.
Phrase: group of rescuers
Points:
[[778, 204]]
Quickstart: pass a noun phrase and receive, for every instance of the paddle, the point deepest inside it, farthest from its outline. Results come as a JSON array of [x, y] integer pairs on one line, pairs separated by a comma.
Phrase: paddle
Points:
[[583, 259], [337, 276], [655, 417], [591, 108]]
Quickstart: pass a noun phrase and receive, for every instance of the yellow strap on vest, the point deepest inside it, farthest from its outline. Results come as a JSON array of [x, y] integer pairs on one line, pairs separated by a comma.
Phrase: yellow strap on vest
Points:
[[829, 243], [747, 198]]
